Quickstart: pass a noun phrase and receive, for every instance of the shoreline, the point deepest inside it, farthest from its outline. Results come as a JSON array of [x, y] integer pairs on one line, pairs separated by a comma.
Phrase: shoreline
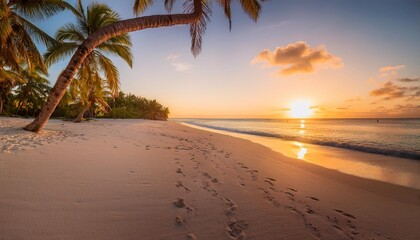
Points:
[[397, 153], [122, 179], [389, 169]]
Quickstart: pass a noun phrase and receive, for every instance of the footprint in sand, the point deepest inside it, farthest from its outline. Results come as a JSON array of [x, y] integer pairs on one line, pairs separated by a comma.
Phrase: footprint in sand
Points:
[[191, 236], [179, 184], [179, 171], [292, 189], [179, 203], [179, 221], [289, 194], [235, 229], [313, 198], [269, 182], [344, 213]]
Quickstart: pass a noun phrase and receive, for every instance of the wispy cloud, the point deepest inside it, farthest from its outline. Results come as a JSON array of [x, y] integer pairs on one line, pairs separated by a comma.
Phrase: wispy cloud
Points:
[[298, 57], [178, 65], [390, 72], [390, 91], [408, 80], [357, 99], [391, 68]]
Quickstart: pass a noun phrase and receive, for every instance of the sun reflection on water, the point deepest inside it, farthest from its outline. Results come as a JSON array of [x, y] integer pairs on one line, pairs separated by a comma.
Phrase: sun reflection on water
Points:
[[302, 150]]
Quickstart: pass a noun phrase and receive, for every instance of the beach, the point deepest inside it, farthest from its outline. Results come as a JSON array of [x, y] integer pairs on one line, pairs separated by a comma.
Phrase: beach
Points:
[[140, 179]]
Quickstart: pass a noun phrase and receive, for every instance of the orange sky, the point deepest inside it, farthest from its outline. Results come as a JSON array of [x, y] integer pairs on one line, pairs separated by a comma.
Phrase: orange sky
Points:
[[348, 58]]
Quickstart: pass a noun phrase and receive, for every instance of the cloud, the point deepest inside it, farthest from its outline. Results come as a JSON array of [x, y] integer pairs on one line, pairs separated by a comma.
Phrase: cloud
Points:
[[342, 108], [390, 72], [357, 99], [178, 65], [391, 68], [407, 80], [390, 91], [297, 57], [406, 108]]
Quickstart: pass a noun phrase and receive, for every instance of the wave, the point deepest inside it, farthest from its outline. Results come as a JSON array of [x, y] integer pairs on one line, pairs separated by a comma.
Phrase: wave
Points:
[[345, 145]]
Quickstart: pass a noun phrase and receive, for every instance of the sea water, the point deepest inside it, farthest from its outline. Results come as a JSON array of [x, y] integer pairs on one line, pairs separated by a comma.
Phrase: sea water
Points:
[[387, 150], [392, 137]]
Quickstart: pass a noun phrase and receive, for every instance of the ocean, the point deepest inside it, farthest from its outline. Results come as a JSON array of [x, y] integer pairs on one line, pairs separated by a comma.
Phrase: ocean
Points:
[[391, 137]]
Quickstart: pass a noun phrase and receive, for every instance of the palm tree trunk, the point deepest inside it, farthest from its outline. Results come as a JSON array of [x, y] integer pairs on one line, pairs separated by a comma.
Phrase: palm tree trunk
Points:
[[98, 37], [79, 117], [1, 104]]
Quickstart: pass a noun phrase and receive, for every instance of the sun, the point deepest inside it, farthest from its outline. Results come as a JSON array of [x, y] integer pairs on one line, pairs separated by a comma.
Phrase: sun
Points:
[[301, 109]]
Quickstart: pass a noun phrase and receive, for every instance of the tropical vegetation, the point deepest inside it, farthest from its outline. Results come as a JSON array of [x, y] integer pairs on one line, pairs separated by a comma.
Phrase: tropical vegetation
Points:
[[17, 36], [97, 76], [123, 106]]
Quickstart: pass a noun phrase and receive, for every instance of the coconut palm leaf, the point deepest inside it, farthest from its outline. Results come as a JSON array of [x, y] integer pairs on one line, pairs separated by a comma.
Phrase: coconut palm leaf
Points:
[[38, 9], [141, 5], [35, 32], [59, 52]]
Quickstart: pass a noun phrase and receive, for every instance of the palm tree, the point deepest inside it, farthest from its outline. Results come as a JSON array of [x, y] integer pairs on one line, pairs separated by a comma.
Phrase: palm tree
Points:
[[96, 70], [17, 32], [33, 92], [155, 110], [16, 38], [197, 14]]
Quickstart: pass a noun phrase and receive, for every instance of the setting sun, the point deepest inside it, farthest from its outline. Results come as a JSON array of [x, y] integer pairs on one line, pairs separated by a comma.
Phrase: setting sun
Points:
[[301, 109]]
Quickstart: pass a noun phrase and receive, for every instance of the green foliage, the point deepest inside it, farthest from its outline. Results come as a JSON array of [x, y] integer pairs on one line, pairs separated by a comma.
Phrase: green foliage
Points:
[[97, 77], [131, 106]]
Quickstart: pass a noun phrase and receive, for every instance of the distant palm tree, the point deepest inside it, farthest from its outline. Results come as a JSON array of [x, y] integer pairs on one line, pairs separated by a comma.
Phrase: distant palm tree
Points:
[[197, 14], [97, 72], [8, 79], [32, 94], [155, 111]]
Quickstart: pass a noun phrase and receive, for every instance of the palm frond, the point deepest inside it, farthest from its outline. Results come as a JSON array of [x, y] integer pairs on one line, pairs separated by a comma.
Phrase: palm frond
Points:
[[169, 4], [35, 32], [141, 5], [59, 51], [197, 29], [252, 8], [38, 9], [5, 27], [228, 13], [28, 50], [111, 73], [122, 51], [70, 32]]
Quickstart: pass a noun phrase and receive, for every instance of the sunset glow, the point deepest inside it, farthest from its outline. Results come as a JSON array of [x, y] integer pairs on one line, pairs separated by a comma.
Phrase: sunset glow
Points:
[[301, 109], [377, 77]]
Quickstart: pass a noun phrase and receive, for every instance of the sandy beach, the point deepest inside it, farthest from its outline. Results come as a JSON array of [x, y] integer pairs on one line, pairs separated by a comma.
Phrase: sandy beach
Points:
[[138, 179]]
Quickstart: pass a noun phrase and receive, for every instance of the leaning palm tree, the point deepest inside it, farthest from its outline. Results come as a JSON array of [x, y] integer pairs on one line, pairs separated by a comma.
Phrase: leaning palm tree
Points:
[[90, 85], [197, 14]]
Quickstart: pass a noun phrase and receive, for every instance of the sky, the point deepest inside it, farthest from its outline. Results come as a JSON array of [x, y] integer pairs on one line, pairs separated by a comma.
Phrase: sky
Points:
[[345, 59]]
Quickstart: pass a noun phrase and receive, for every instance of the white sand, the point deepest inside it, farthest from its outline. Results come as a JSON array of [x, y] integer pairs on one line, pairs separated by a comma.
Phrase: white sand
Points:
[[134, 179]]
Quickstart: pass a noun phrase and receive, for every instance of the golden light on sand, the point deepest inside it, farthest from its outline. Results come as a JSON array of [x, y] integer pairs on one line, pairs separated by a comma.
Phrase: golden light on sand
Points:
[[302, 150], [301, 109]]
